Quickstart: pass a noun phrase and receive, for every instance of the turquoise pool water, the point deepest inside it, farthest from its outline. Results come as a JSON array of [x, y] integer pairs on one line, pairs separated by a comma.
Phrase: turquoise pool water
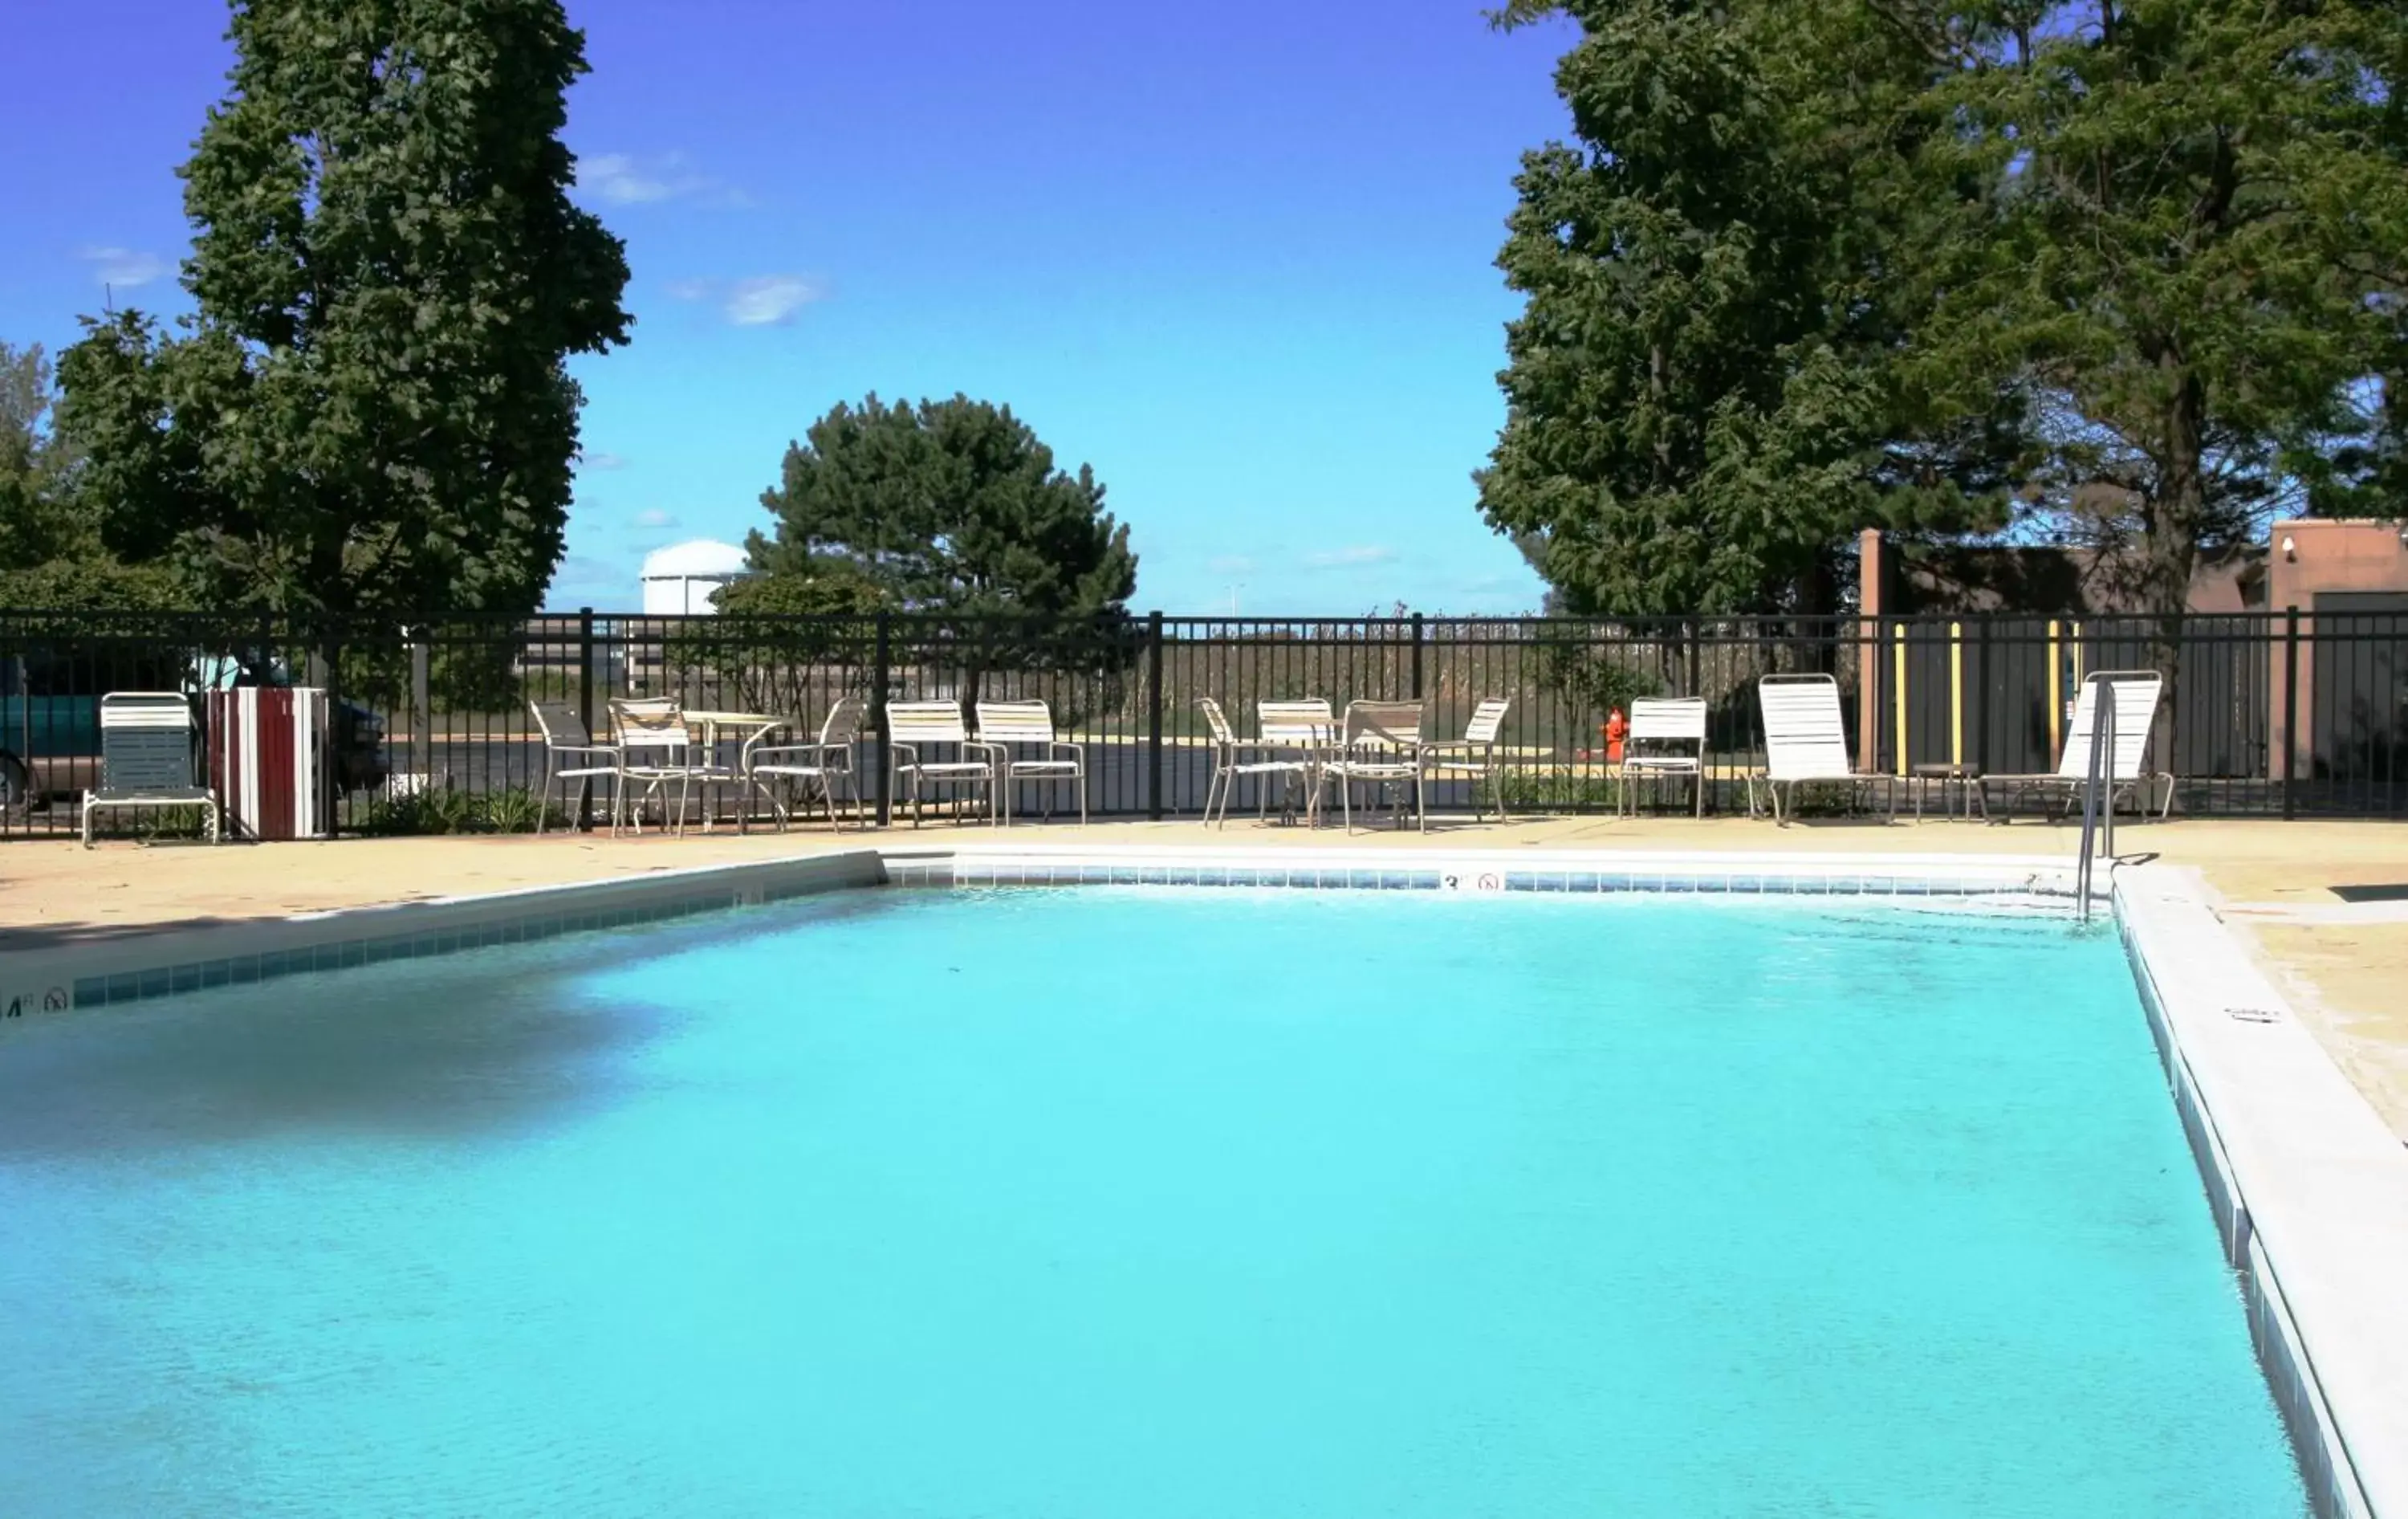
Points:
[[1125, 1204]]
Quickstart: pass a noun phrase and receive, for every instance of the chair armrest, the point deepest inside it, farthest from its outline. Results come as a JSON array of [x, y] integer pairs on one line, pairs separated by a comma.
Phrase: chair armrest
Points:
[[1066, 746], [611, 750], [904, 752]]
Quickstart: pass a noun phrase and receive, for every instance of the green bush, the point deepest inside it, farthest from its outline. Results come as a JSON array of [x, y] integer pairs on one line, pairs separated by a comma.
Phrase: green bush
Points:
[[514, 809]]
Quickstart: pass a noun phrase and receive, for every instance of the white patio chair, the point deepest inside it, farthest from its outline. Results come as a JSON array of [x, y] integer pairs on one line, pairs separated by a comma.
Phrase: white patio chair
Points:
[[1382, 747], [1231, 761], [2137, 693], [569, 754], [1804, 739], [821, 763], [1005, 727], [1664, 720], [1473, 756], [147, 758], [656, 749], [1302, 732], [913, 728]]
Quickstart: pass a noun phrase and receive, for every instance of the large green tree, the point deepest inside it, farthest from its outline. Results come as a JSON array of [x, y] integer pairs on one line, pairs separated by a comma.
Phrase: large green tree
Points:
[[1704, 400], [951, 506], [2183, 232], [371, 409]]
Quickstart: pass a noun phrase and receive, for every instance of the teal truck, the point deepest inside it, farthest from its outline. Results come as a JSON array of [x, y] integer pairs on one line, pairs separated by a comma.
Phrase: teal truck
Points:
[[49, 723]]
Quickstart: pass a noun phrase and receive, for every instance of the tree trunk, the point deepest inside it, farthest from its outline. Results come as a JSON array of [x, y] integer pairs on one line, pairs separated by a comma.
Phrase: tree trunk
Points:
[[2174, 514]]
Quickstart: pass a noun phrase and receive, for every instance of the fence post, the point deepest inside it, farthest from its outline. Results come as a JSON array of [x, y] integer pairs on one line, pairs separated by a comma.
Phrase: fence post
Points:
[[422, 707], [1416, 691], [585, 709], [1153, 715], [878, 720], [2290, 710], [1982, 694]]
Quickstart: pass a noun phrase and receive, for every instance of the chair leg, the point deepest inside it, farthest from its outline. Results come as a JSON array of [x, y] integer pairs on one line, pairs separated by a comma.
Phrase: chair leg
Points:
[[1700, 809]]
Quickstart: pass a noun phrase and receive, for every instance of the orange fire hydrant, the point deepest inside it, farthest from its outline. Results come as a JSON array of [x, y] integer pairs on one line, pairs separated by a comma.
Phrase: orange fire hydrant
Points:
[[1617, 728]]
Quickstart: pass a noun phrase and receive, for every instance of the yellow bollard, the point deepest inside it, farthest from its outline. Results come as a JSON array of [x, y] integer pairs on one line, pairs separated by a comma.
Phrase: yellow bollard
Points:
[[2056, 694], [1898, 639], [1955, 693]]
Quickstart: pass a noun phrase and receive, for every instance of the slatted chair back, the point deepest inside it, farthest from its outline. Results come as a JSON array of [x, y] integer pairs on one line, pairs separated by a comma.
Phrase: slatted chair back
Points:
[[146, 742], [1668, 720], [1383, 725], [1804, 738], [1487, 721], [1305, 724], [844, 721], [2136, 711], [1015, 722], [926, 722], [653, 723], [1217, 720], [561, 727]]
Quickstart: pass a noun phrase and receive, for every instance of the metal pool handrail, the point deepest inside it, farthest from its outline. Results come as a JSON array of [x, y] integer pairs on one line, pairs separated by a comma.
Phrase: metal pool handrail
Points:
[[2100, 771]]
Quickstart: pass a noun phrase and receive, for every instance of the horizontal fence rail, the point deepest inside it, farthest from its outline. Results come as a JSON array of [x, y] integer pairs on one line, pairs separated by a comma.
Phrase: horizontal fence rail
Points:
[[2264, 715]]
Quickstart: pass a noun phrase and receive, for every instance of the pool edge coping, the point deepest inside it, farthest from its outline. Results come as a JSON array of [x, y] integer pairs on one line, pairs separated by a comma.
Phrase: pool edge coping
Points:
[[2301, 1174]]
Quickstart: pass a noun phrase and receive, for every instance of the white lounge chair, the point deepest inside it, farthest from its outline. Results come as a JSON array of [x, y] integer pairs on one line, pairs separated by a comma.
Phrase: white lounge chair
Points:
[[1804, 738], [1382, 747], [1473, 756], [2137, 693], [1234, 757], [821, 763], [569, 754], [914, 728], [1004, 726], [1666, 721], [146, 757]]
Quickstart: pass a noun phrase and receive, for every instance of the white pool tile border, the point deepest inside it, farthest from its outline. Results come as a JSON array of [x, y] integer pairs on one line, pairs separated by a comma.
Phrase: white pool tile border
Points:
[[2309, 1188]]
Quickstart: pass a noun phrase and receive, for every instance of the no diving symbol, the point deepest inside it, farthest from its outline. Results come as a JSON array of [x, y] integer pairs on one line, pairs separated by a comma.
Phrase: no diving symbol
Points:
[[53, 999]]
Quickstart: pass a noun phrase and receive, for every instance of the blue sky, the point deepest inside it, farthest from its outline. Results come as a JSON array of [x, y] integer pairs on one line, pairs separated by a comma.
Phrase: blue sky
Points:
[[1236, 256]]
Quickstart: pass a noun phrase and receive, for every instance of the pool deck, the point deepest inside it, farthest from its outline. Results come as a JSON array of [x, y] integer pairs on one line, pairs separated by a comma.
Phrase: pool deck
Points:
[[2323, 905]]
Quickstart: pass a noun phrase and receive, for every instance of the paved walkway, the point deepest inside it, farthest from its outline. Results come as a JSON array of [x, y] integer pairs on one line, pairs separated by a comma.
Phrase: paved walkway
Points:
[[2326, 904]]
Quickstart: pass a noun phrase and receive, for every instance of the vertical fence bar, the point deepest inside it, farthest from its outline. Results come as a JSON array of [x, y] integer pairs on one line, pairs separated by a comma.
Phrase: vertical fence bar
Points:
[[2290, 712], [1417, 657], [878, 656], [585, 709], [1153, 715]]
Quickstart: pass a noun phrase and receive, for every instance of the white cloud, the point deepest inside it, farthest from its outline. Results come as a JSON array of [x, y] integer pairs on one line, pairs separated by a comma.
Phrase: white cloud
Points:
[[655, 517], [770, 300], [628, 179], [589, 459], [1229, 564], [1356, 556], [124, 265]]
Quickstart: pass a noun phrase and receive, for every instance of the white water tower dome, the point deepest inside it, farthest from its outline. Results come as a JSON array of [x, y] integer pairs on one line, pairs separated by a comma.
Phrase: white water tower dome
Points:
[[682, 577]]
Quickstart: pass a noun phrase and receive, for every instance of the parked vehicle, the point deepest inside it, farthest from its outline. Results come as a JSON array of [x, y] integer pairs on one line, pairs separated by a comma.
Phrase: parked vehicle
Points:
[[49, 719]]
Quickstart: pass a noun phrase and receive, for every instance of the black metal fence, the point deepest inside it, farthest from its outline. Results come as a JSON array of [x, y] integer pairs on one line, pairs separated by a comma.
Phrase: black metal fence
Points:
[[2289, 714]]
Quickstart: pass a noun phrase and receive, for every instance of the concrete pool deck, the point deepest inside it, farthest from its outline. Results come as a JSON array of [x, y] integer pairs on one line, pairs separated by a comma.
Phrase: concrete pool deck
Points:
[[2325, 905]]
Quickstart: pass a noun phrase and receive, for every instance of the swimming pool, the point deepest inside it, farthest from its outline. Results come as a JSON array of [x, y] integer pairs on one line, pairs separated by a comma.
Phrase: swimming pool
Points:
[[1135, 1202]]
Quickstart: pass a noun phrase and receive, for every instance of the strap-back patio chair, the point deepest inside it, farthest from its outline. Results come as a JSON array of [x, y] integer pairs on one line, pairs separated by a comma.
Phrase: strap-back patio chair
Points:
[[147, 758], [913, 729], [1004, 729]]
